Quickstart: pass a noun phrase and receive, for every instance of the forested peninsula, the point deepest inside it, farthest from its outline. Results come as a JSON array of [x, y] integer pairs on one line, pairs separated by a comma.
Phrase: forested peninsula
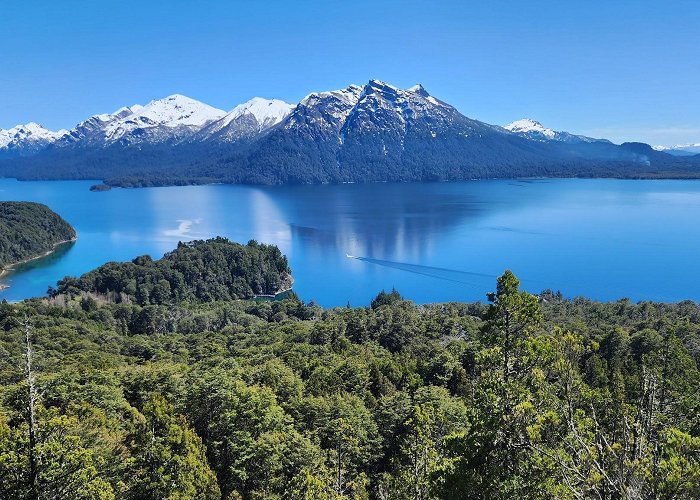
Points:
[[202, 271], [29, 230], [111, 392]]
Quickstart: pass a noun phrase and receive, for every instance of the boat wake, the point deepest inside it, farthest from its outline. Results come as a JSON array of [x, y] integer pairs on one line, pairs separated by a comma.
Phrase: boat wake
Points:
[[453, 275]]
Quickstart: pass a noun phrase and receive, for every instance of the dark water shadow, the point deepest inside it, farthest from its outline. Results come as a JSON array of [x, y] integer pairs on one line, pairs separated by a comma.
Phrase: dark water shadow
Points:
[[42, 262]]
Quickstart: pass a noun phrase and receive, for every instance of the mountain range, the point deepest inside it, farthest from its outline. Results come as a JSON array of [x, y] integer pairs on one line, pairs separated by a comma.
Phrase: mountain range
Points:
[[680, 149], [370, 133]]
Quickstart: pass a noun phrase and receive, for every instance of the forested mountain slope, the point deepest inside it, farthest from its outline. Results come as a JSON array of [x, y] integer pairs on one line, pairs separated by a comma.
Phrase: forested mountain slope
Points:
[[524, 396]]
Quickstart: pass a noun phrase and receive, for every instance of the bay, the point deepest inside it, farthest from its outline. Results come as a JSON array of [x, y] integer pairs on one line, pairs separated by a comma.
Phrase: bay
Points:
[[600, 238]]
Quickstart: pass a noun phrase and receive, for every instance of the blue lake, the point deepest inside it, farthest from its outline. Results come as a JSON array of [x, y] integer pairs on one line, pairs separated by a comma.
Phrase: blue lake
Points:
[[604, 239]]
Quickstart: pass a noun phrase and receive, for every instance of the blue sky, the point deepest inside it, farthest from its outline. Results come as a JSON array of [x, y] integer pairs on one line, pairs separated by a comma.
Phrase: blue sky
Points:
[[625, 70]]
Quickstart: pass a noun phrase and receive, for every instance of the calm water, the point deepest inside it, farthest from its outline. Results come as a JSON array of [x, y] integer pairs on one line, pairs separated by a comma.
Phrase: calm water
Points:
[[605, 239]]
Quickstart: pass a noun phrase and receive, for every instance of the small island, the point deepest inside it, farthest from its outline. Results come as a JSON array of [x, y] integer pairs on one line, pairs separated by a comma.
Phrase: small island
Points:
[[99, 188], [29, 231]]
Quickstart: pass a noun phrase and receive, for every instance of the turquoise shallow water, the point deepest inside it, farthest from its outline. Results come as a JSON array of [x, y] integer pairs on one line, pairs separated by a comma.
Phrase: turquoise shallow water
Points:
[[605, 239]]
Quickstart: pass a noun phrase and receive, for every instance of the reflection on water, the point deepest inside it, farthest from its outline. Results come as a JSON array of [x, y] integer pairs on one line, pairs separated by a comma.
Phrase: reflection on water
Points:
[[397, 220], [433, 242]]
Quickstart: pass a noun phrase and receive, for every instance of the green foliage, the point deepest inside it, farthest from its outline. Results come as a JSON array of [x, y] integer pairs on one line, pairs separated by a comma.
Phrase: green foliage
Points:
[[526, 396], [386, 299], [28, 230], [66, 467], [202, 271], [167, 457]]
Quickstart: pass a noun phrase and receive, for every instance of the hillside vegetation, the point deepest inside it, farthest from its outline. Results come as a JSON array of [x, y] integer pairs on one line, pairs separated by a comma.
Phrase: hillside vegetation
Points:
[[29, 230], [522, 397], [202, 271]]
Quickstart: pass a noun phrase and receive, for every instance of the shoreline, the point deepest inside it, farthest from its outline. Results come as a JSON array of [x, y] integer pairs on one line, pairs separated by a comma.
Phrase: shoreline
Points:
[[693, 177], [5, 271], [639, 177]]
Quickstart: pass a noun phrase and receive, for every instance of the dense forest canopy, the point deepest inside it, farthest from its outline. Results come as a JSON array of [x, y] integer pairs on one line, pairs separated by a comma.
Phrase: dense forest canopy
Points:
[[200, 270], [520, 397], [319, 163], [28, 230]]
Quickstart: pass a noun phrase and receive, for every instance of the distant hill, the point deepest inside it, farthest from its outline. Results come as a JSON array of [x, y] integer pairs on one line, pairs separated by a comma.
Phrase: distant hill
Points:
[[29, 230], [370, 133]]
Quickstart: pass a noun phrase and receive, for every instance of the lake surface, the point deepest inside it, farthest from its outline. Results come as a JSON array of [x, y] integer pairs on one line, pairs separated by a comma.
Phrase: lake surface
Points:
[[604, 239]]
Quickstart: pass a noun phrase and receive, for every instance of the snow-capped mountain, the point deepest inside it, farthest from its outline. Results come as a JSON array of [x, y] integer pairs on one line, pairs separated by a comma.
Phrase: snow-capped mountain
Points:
[[374, 108], [92, 130], [378, 132], [362, 133], [171, 120], [24, 140], [247, 120], [164, 120], [680, 149], [409, 109], [532, 129]]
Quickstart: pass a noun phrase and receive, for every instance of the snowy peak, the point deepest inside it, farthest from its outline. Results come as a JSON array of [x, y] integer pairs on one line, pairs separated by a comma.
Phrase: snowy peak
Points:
[[381, 87], [388, 90], [333, 110], [410, 103], [534, 130], [325, 110], [528, 125], [92, 130], [27, 138], [176, 110], [105, 118], [267, 112], [172, 112], [420, 90], [347, 96], [248, 119], [415, 98]]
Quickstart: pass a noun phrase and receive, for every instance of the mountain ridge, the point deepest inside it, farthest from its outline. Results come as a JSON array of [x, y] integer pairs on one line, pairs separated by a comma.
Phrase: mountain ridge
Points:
[[370, 133]]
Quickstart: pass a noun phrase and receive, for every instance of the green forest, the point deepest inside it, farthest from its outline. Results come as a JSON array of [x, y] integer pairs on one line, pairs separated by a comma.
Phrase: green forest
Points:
[[204, 396], [28, 230], [205, 271]]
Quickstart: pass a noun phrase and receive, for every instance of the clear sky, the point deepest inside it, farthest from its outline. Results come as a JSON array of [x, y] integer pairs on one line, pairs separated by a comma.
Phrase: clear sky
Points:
[[624, 70]]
